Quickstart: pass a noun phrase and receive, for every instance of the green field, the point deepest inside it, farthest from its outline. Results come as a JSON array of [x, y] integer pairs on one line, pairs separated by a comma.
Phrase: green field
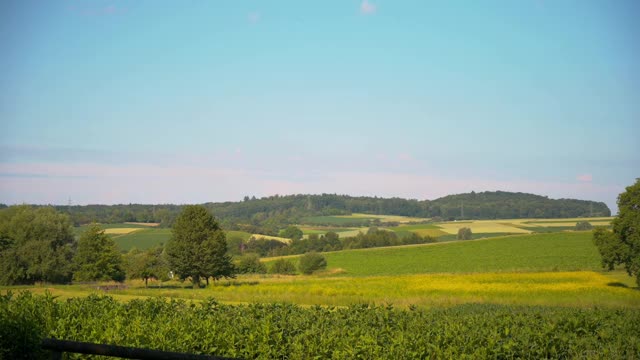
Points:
[[536, 252], [337, 221]]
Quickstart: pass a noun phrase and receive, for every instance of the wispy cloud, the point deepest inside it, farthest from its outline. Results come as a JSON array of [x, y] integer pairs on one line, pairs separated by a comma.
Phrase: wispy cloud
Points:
[[367, 8], [584, 178]]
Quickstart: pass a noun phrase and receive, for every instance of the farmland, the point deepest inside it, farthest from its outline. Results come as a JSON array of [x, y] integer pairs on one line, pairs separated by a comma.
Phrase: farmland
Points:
[[267, 331]]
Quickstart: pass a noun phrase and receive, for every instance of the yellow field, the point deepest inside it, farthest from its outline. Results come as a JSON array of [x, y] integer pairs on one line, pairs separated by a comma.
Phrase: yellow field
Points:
[[143, 224], [120, 231], [575, 289], [385, 218], [568, 223], [483, 226], [267, 237], [429, 232]]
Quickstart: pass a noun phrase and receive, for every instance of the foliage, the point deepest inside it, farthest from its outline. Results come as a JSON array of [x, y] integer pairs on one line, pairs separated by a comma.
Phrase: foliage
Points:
[[282, 266], [464, 233], [251, 264], [583, 226], [291, 232], [22, 325], [269, 214], [36, 244], [269, 331], [311, 262], [198, 246], [622, 246], [147, 264], [97, 257]]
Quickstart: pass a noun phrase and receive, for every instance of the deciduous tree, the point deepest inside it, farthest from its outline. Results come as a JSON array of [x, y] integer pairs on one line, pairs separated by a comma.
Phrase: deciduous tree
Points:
[[36, 244], [198, 246], [622, 246], [97, 257]]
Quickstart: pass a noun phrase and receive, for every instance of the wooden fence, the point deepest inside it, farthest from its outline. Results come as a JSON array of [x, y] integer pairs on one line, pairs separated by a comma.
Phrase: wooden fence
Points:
[[58, 347]]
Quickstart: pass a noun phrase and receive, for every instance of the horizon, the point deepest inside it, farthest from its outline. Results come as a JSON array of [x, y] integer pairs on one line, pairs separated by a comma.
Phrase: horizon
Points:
[[158, 102]]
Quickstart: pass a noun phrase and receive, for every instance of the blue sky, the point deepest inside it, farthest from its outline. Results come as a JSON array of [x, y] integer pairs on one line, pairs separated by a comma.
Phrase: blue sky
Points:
[[196, 101]]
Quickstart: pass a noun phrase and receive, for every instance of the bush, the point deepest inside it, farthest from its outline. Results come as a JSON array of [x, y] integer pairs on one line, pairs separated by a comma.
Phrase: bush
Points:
[[311, 262], [583, 226], [282, 266], [250, 264], [21, 331], [464, 233]]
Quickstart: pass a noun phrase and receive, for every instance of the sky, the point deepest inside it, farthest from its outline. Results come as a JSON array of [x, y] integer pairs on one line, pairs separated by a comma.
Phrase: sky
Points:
[[195, 101]]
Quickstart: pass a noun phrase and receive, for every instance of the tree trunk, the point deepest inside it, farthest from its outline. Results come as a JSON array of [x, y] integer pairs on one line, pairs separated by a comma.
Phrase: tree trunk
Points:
[[196, 281], [207, 281], [145, 281]]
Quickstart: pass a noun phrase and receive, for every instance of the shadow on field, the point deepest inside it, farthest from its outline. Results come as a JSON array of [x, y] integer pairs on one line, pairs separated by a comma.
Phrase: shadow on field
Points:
[[617, 284]]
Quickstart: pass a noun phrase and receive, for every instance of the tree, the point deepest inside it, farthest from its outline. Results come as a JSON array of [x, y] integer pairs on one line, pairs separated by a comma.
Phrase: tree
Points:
[[198, 246], [311, 262], [291, 232], [282, 266], [36, 244], [622, 245], [97, 257], [583, 226], [147, 264], [250, 264], [464, 233]]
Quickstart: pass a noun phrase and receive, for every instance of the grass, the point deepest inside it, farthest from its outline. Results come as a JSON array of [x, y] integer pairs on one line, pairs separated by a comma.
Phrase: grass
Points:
[[520, 253], [572, 289], [143, 238]]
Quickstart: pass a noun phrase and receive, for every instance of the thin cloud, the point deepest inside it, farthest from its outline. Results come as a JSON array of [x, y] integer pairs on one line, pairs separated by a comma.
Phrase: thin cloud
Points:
[[367, 8], [585, 178]]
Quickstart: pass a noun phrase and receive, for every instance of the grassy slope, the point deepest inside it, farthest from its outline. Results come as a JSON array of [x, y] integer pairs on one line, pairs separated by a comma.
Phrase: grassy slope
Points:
[[537, 252]]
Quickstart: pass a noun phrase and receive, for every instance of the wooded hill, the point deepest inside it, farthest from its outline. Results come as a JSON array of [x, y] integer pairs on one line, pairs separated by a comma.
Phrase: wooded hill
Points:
[[271, 213]]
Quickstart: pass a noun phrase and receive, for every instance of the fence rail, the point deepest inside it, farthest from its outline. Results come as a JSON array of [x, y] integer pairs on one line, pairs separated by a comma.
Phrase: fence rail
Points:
[[58, 347]]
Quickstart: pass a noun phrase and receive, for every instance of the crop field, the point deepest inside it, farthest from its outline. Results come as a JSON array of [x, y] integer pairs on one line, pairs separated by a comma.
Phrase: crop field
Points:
[[143, 238], [483, 226], [384, 218], [321, 230], [534, 252], [119, 231], [269, 237], [273, 331]]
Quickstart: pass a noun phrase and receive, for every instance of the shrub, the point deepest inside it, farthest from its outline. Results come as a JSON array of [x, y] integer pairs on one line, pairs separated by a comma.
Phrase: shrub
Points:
[[311, 262], [250, 264], [282, 266], [464, 233], [583, 226]]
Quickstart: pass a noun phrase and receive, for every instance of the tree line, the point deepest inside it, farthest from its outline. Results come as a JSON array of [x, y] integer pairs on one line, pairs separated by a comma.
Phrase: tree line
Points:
[[269, 214]]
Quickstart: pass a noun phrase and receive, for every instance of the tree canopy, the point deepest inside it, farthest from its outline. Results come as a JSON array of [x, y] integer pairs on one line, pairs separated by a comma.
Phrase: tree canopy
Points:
[[622, 245], [97, 257], [36, 244], [198, 246]]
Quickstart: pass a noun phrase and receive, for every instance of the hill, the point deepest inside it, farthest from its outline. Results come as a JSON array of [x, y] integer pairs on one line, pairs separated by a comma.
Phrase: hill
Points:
[[266, 215]]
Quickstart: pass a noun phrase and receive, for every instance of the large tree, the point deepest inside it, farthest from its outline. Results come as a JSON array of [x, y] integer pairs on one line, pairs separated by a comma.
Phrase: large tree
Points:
[[198, 246], [97, 257], [622, 246], [36, 244]]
